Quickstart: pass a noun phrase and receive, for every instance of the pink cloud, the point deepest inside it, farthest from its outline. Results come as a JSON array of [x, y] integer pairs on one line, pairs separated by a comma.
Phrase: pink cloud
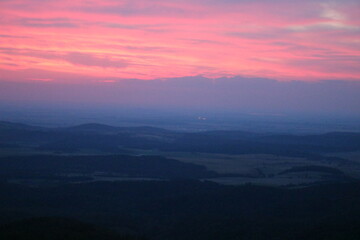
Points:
[[307, 40]]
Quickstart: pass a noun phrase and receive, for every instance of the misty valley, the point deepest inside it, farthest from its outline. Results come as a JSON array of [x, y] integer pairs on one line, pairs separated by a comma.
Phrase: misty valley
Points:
[[179, 120], [95, 181]]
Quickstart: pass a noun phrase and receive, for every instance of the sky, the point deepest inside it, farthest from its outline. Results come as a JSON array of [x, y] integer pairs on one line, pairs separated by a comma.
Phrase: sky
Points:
[[271, 56], [109, 40], [254, 96]]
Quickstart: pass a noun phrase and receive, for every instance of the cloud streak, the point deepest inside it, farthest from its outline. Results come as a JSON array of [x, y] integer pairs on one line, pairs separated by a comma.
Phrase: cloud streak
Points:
[[285, 40]]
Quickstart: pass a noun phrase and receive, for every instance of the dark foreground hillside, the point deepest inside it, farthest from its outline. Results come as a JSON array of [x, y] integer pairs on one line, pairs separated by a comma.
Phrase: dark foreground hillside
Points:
[[100, 182], [191, 209], [57, 228], [50, 167]]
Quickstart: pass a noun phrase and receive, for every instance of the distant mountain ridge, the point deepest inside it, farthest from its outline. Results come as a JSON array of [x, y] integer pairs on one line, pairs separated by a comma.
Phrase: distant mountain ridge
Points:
[[4, 125], [115, 139], [105, 127]]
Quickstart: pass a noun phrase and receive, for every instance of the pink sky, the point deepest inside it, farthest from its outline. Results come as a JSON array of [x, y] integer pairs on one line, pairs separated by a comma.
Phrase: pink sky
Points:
[[109, 40]]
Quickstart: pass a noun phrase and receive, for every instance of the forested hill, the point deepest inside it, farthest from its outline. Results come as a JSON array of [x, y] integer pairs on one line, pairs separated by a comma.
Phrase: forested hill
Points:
[[119, 139]]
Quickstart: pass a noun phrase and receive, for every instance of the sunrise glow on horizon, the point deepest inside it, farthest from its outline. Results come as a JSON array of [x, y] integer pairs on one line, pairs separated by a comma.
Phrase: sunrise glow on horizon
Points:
[[76, 40]]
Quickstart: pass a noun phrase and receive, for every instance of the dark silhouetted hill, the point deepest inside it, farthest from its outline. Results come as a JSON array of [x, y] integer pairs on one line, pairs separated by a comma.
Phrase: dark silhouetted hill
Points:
[[57, 228]]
